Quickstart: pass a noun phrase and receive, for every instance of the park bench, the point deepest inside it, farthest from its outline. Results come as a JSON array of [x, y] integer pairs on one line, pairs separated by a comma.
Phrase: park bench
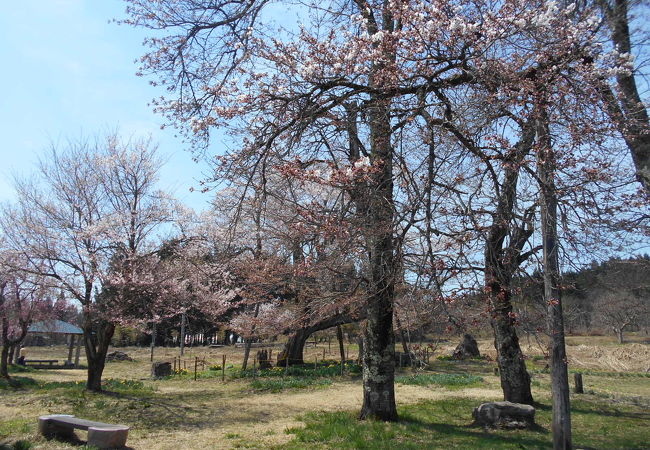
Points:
[[41, 362], [101, 435]]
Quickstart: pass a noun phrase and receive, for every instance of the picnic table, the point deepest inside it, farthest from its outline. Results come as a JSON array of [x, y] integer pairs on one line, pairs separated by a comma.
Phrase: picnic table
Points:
[[101, 435]]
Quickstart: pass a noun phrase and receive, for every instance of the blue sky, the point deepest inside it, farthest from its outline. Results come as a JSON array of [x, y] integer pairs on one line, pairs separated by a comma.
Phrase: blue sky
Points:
[[68, 71]]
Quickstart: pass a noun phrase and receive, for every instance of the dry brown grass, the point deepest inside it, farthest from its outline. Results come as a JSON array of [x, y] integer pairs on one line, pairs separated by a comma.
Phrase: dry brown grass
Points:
[[209, 414]]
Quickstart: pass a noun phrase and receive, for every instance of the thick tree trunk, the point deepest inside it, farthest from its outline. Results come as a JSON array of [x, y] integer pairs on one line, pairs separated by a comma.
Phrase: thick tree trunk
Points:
[[630, 114], [561, 424], [515, 380], [379, 340], [4, 362], [96, 348], [503, 255], [292, 353], [294, 348], [12, 351]]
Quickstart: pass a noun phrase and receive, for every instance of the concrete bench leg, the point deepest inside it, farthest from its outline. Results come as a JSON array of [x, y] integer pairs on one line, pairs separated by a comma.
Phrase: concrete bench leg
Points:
[[48, 428], [107, 437]]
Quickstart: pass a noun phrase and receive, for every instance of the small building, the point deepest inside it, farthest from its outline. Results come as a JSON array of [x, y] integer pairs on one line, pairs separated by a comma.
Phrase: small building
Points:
[[72, 333]]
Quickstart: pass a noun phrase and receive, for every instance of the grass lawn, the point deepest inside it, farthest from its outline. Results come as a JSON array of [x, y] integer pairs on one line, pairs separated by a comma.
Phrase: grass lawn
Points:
[[447, 424], [314, 407]]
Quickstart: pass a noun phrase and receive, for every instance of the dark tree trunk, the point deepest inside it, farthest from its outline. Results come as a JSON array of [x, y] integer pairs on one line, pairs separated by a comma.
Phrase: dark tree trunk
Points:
[[292, 353], [561, 424], [515, 380], [339, 337], [249, 341], [402, 335], [96, 344], [503, 255], [630, 113], [294, 348], [4, 365], [12, 350]]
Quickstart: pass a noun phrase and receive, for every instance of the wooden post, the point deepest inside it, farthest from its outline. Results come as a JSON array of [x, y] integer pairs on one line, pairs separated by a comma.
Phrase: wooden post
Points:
[[70, 348], [254, 367], [153, 339], [196, 363], [223, 368], [323, 354], [578, 380], [76, 353], [286, 366]]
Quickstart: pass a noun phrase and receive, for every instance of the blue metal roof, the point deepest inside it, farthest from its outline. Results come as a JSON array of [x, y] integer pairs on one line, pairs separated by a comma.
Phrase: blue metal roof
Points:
[[54, 326]]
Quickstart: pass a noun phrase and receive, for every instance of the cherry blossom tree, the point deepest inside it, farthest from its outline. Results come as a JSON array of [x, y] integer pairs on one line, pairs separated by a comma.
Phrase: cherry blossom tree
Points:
[[24, 298], [340, 90], [87, 203]]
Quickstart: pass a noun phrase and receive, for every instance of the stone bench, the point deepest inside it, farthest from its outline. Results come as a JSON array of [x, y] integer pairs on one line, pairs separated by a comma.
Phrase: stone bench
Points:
[[101, 435]]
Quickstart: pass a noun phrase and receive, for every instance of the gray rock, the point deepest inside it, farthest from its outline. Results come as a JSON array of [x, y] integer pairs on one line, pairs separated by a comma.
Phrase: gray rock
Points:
[[468, 348], [118, 356], [504, 415], [161, 369]]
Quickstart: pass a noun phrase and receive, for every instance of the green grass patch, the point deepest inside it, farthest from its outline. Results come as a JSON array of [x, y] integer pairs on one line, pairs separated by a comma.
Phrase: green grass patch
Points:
[[16, 368], [15, 427], [77, 389], [281, 384], [322, 369], [17, 383], [446, 424], [450, 380], [18, 445]]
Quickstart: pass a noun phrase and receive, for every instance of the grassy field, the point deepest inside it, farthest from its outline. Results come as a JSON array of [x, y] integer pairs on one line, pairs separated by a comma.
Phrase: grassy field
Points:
[[315, 407]]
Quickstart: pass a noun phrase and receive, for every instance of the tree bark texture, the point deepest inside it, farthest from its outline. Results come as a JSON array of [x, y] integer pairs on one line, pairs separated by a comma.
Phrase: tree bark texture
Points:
[[4, 358], [629, 113], [97, 339], [379, 340], [293, 351], [561, 424], [292, 354], [503, 255], [515, 380], [339, 337]]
